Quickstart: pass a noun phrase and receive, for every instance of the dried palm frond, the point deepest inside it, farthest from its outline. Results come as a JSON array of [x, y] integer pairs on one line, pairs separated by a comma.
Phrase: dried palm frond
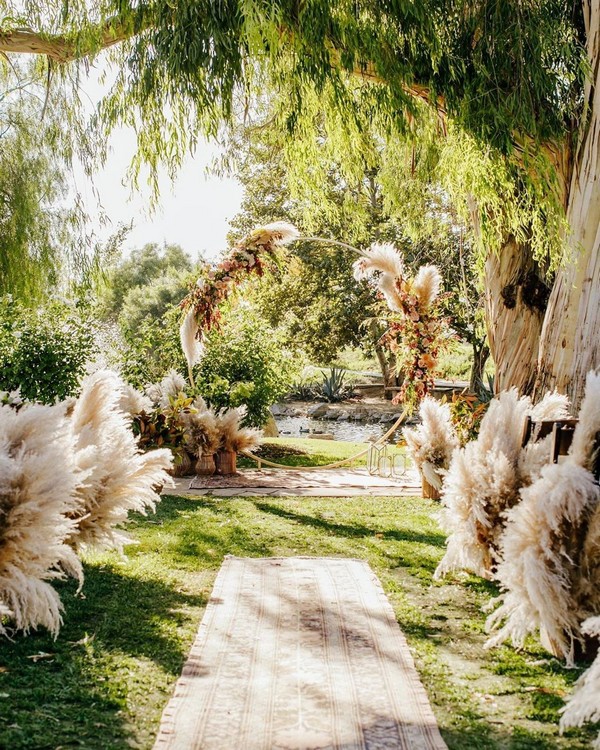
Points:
[[541, 550], [188, 334], [200, 431], [232, 436], [37, 486], [118, 477], [426, 285], [433, 442], [584, 705]]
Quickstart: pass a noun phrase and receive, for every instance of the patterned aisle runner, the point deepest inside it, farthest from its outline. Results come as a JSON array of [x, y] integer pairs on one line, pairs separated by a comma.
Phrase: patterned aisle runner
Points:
[[298, 653]]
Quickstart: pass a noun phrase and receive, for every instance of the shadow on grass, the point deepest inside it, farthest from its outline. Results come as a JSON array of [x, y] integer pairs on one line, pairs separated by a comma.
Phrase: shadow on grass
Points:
[[72, 692], [358, 530], [172, 507]]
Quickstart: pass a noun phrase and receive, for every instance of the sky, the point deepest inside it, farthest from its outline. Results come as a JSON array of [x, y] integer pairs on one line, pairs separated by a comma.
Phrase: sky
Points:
[[193, 213]]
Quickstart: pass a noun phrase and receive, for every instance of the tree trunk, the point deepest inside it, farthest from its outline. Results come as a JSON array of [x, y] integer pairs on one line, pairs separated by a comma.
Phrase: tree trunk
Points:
[[515, 300], [481, 353], [384, 357], [570, 342]]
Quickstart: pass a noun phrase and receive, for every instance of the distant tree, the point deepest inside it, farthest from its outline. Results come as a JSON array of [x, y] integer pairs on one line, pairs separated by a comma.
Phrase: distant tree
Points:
[[315, 297], [160, 268], [42, 242]]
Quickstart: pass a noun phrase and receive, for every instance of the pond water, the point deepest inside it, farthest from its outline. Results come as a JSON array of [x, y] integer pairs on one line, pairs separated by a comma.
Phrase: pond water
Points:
[[354, 432]]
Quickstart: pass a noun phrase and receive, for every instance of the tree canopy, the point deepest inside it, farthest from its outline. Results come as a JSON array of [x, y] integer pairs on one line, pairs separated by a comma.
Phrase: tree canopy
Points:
[[512, 83]]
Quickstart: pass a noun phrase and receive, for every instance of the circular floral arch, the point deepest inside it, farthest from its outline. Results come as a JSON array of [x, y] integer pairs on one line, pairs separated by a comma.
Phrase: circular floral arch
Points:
[[416, 327]]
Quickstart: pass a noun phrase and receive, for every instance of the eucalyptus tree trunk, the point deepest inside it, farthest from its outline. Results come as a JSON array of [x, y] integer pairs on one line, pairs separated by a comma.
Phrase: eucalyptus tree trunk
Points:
[[515, 300], [570, 341], [481, 354]]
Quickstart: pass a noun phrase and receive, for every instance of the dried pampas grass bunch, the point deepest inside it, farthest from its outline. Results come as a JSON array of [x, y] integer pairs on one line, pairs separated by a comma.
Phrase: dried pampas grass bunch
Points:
[[200, 432], [542, 555], [484, 480], [118, 478], [38, 478], [132, 402], [383, 259], [584, 704], [417, 329], [163, 393], [433, 442], [234, 437], [550, 572]]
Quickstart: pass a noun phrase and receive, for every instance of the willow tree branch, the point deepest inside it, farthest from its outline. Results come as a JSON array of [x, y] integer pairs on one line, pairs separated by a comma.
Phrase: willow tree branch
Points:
[[66, 48]]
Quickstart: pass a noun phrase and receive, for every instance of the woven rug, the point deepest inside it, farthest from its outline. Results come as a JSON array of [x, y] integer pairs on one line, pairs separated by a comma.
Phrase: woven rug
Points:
[[298, 654]]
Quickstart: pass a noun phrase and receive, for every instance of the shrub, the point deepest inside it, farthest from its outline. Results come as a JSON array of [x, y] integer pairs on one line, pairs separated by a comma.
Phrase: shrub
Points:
[[152, 350], [244, 363], [44, 351]]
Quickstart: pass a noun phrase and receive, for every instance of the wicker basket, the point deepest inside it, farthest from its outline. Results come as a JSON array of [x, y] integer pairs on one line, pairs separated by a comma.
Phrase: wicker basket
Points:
[[205, 465], [183, 464], [428, 490], [226, 462]]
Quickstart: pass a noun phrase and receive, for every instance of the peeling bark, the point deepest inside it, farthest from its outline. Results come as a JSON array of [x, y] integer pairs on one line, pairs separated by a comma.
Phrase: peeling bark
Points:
[[570, 342], [515, 301]]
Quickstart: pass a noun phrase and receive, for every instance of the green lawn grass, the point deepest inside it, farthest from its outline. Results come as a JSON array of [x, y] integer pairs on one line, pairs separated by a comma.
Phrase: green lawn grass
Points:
[[104, 682], [308, 452]]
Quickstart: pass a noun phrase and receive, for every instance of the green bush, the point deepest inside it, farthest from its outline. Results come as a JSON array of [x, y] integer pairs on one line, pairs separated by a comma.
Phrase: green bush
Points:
[[244, 363], [44, 351], [152, 349]]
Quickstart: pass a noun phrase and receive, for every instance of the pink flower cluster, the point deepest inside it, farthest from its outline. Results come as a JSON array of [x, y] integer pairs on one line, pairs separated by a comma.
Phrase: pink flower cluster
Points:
[[251, 255]]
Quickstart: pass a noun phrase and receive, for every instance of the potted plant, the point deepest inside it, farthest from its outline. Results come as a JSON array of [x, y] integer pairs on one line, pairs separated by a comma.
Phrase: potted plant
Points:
[[431, 444], [233, 438], [201, 436]]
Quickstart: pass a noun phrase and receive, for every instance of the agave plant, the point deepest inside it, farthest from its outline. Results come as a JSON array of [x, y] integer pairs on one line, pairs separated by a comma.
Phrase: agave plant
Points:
[[332, 387]]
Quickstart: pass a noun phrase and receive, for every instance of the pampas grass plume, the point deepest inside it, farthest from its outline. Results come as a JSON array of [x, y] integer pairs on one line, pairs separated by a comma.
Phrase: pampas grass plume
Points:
[[133, 402], [168, 389], [426, 285], [382, 258], [200, 431], [280, 232], [233, 437], [481, 484], [433, 442], [584, 704], [584, 439], [188, 335], [37, 485], [119, 478], [537, 570]]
